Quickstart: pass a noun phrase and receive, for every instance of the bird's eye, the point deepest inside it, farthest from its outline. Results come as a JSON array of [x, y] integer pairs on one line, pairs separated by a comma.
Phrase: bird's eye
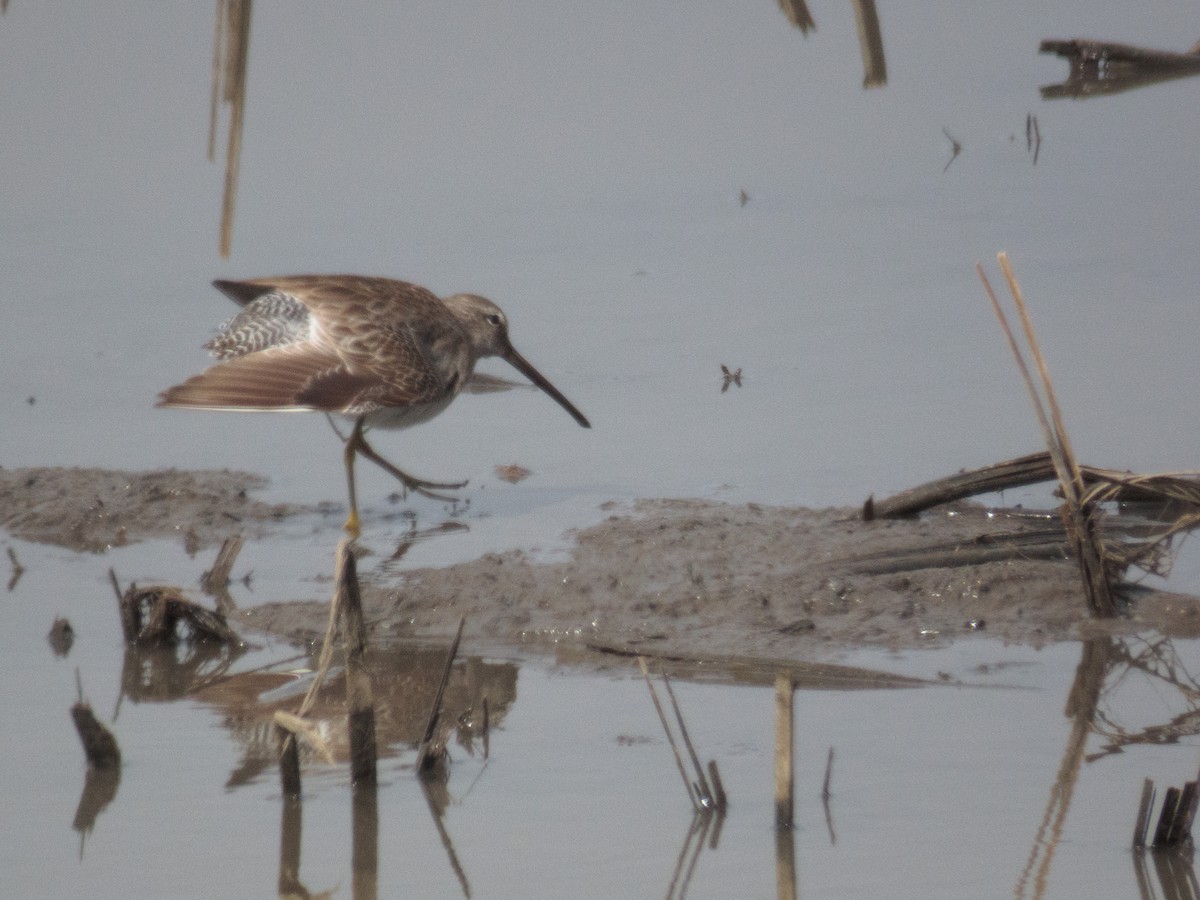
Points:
[[493, 319]]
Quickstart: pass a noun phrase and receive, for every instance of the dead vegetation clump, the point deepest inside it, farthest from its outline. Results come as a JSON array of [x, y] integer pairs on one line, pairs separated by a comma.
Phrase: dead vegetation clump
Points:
[[160, 616]]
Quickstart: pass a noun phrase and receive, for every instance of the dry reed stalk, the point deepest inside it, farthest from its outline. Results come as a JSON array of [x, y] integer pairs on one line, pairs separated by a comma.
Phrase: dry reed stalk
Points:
[[216, 579], [215, 96], [1078, 517], [236, 51]]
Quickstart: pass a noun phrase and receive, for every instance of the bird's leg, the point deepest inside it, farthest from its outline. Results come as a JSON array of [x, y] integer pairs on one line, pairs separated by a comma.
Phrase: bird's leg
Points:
[[357, 444], [353, 526], [336, 430]]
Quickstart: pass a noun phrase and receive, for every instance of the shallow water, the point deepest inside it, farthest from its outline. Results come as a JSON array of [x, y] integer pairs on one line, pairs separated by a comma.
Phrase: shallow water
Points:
[[582, 167], [936, 791]]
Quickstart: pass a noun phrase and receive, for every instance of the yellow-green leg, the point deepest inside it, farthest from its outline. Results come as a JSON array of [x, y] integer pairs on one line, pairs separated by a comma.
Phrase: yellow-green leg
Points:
[[357, 444], [353, 525]]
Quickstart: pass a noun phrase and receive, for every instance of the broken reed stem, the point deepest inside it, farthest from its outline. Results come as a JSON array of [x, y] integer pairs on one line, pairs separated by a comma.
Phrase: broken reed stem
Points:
[[1080, 524], [1175, 818], [1185, 814], [235, 91], [1166, 817], [687, 783], [1026, 375], [216, 579], [425, 750], [705, 792], [784, 734], [289, 762], [1142, 825], [358, 681], [1060, 430], [825, 792]]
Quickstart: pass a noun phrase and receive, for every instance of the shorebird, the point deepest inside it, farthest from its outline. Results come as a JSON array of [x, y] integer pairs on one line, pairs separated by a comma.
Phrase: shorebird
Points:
[[387, 354]]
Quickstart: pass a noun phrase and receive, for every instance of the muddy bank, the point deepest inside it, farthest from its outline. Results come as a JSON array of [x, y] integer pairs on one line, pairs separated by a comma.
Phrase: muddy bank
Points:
[[694, 577], [94, 509], [666, 576]]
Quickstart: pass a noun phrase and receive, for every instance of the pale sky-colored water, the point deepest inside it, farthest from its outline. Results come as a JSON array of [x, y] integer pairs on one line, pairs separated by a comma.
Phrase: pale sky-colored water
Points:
[[581, 166]]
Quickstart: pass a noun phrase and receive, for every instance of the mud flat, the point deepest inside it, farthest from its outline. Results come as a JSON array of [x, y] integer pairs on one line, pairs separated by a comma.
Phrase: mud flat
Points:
[[90, 510], [695, 577], [657, 576]]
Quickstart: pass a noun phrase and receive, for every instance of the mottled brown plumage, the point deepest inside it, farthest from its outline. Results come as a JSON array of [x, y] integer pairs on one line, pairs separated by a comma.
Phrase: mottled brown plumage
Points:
[[387, 353]]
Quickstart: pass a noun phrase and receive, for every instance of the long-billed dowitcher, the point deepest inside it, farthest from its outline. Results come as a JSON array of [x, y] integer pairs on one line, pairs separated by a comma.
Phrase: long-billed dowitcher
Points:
[[385, 353]]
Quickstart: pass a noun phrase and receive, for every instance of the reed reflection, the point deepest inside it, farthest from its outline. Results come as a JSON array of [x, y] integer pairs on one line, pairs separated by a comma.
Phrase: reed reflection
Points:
[[1095, 706]]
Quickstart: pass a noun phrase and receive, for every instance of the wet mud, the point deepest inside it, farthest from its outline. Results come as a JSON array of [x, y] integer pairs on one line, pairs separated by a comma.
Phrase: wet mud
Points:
[[91, 510], [685, 577]]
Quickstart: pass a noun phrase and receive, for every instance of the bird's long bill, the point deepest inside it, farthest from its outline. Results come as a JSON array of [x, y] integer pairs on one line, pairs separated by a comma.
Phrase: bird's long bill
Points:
[[522, 365]]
